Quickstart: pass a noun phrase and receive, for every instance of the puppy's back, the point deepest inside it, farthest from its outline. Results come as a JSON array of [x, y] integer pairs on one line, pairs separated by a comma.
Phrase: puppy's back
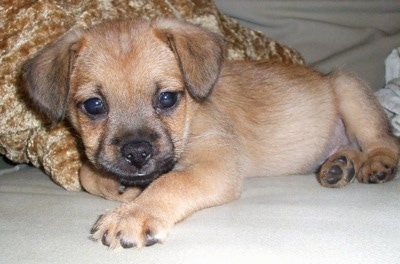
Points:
[[280, 112]]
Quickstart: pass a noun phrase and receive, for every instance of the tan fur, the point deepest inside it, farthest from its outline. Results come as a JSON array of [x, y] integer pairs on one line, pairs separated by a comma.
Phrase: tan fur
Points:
[[231, 120]]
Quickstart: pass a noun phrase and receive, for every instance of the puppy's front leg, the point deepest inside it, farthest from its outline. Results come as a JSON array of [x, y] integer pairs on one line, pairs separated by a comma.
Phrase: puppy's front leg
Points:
[[204, 183]]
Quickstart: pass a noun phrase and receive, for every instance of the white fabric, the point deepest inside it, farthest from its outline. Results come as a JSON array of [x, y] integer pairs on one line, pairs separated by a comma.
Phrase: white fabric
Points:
[[392, 65], [277, 220], [389, 96]]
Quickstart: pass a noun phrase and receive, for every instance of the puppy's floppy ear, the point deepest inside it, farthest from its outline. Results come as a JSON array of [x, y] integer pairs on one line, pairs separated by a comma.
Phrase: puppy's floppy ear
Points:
[[47, 75], [200, 54]]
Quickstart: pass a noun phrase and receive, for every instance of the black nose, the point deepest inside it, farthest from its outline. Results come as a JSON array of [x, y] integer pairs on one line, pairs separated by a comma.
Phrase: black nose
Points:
[[137, 153]]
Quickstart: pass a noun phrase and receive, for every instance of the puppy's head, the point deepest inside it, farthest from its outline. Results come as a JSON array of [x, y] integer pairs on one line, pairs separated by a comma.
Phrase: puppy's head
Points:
[[128, 88]]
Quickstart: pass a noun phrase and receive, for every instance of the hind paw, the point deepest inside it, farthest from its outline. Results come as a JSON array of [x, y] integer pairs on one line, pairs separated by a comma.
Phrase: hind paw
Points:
[[378, 169], [337, 171]]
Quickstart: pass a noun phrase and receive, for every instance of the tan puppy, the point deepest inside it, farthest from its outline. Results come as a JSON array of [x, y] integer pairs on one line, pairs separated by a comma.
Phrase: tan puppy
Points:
[[158, 110]]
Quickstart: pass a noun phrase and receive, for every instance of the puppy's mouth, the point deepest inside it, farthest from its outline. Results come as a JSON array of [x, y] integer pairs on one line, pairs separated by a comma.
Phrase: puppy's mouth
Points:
[[138, 180], [143, 177]]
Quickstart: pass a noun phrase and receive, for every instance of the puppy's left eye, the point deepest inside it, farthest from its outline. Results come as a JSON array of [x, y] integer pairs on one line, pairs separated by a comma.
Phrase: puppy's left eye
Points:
[[94, 107], [167, 99]]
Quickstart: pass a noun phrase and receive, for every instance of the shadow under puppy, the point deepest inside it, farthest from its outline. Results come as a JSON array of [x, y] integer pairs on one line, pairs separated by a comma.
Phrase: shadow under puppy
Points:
[[159, 110]]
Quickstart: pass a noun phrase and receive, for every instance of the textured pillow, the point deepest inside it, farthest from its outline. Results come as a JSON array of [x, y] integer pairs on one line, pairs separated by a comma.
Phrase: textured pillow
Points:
[[27, 26]]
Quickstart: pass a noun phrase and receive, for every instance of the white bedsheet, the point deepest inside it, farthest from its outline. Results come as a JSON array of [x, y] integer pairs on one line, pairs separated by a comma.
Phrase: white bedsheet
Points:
[[277, 220]]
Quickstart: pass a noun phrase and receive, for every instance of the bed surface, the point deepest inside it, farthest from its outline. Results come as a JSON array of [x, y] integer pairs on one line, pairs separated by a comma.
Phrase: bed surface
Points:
[[277, 220]]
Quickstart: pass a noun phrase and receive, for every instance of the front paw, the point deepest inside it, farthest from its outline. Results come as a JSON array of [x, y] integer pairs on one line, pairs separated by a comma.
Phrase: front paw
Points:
[[129, 226]]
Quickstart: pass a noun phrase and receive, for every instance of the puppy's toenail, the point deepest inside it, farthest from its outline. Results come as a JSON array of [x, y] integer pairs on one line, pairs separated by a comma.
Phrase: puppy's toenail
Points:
[[150, 240], [125, 244], [94, 230], [121, 189], [104, 239]]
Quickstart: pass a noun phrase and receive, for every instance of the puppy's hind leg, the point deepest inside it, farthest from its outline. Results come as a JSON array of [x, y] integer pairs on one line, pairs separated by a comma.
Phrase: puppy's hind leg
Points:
[[366, 125]]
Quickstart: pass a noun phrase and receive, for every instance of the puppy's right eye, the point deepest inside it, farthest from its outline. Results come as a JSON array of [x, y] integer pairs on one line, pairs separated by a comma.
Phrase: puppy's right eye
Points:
[[168, 99], [94, 107]]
